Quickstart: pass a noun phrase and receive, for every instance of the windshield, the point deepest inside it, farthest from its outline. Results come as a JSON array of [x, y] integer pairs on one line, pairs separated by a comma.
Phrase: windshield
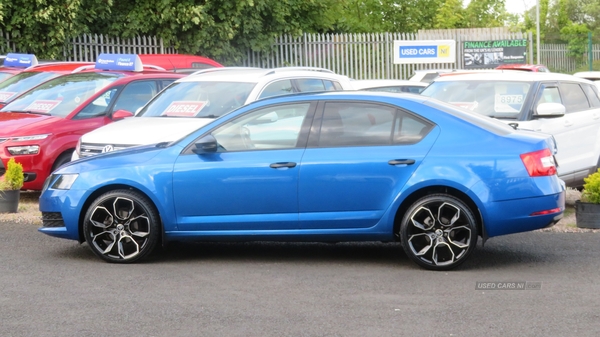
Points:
[[4, 76], [22, 82], [61, 95], [498, 99], [198, 99]]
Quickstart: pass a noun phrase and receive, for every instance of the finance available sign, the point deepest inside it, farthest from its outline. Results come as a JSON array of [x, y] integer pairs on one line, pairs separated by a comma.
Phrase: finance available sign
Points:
[[492, 53], [425, 51]]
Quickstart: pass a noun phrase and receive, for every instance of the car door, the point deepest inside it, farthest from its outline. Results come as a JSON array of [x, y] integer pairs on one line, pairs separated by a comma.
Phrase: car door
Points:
[[575, 133], [251, 182], [359, 157]]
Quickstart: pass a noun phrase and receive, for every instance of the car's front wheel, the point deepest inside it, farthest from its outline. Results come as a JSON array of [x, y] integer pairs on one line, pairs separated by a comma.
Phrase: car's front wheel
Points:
[[122, 226], [438, 232]]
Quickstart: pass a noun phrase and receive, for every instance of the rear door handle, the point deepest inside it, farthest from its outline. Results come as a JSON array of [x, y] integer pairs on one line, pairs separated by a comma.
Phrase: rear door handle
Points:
[[281, 165], [401, 162]]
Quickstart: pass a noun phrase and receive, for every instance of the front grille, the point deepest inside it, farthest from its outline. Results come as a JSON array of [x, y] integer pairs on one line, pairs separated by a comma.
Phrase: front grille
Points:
[[52, 219], [90, 149]]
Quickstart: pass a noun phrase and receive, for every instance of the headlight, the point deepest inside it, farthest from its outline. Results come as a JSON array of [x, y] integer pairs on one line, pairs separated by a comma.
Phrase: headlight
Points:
[[64, 181], [28, 138], [22, 150]]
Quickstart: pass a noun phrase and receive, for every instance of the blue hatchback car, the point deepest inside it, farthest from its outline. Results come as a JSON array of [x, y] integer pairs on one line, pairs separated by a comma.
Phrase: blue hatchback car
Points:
[[327, 167]]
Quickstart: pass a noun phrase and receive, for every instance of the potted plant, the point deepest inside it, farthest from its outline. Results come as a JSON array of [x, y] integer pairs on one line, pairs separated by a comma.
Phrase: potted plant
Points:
[[587, 209], [10, 187]]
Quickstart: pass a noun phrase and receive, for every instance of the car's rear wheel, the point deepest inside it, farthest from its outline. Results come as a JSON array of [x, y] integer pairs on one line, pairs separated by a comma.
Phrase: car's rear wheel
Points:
[[122, 226], [438, 232]]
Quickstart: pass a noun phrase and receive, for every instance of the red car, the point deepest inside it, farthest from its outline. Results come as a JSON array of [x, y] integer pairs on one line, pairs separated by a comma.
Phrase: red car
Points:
[[525, 67], [15, 63], [26, 79], [41, 127], [177, 62]]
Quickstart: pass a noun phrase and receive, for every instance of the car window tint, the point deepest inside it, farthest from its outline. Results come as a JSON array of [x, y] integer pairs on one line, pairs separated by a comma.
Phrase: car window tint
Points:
[[574, 97], [409, 129], [549, 94], [97, 107], [592, 95], [329, 86], [283, 87], [275, 127], [310, 84], [356, 124], [135, 95]]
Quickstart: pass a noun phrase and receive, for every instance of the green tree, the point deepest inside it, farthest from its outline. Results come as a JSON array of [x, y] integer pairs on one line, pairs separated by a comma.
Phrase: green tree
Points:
[[450, 15], [485, 13]]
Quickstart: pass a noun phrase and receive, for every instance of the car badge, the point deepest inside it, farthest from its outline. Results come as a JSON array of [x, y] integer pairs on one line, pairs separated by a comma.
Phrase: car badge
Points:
[[108, 148]]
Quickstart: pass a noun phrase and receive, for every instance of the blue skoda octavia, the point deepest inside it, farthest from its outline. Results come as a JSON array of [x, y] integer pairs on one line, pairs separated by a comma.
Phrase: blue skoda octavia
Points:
[[327, 167]]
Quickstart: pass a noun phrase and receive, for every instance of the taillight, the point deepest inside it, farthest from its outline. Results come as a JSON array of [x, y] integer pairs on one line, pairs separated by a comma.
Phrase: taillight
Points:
[[539, 163]]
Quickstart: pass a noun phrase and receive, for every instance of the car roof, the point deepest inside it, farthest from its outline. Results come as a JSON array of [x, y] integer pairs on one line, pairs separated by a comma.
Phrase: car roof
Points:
[[363, 84], [255, 75], [511, 76], [521, 66], [590, 75], [57, 66], [178, 61]]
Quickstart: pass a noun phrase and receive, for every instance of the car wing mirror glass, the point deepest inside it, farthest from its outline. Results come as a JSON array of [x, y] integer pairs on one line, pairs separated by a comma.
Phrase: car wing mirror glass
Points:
[[206, 144], [121, 114], [545, 110]]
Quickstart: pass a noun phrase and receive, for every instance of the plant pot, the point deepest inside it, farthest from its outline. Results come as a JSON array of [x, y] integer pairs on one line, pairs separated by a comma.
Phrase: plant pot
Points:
[[587, 214], [9, 201]]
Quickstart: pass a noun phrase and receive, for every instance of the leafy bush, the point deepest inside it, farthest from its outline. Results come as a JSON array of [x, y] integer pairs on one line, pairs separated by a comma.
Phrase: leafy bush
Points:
[[13, 177], [591, 188]]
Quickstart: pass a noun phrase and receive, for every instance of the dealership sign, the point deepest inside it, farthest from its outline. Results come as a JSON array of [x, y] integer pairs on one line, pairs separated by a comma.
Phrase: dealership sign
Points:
[[492, 53], [425, 51]]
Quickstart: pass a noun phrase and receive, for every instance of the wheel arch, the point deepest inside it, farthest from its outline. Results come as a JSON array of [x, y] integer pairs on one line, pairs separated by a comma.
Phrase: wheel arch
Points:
[[414, 196], [104, 189]]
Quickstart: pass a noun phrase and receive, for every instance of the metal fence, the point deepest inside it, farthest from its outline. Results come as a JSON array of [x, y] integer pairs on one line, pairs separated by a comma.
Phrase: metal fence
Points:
[[556, 57], [88, 47], [366, 56]]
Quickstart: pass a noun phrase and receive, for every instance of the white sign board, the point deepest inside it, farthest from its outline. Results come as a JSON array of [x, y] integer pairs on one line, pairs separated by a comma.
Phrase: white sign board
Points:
[[425, 51]]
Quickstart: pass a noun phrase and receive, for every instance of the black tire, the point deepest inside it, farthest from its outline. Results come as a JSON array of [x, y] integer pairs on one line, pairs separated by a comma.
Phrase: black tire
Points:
[[438, 232], [61, 160], [122, 226]]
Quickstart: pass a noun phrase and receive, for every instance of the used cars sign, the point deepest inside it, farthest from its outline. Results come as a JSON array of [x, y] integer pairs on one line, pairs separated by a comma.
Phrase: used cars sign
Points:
[[425, 51]]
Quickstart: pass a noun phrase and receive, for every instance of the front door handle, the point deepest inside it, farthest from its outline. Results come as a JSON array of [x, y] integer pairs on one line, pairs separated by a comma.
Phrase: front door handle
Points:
[[280, 165], [401, 162]]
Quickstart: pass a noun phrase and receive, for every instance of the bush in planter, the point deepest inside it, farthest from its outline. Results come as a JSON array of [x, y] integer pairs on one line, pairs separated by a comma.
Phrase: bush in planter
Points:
[[587, 210], [10, 187]]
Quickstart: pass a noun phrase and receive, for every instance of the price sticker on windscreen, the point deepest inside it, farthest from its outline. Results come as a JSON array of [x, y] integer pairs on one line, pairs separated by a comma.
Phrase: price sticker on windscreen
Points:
[[184, 108], [43, 106], [508, 103], [6, 95]]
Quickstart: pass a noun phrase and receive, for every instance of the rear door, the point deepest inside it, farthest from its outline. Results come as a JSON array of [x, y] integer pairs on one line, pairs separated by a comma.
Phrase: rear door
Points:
[[359, 157]]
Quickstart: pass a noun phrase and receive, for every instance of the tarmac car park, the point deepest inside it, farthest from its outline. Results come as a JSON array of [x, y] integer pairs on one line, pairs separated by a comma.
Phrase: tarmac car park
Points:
[[40, 128], [198, 99]]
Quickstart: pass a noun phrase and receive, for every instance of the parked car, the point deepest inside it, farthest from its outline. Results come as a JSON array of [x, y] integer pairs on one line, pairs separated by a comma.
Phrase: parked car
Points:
[[524, 67], [593, 76], [40, 128], [337, 166], [389, 85], [15, 63], [19, 83], [197, 99], [564, 106], [179, 62]]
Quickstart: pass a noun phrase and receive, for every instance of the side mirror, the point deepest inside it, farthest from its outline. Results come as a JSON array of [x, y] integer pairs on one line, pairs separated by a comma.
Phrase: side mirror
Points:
[[550, 110], [121, 114], [206, 144]]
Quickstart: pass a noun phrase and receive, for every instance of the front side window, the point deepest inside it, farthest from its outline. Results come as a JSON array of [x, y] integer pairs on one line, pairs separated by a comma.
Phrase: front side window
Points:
[[98, 107], [575, 99], [135, 95], [275, 127], [61, 95], [367, 124]]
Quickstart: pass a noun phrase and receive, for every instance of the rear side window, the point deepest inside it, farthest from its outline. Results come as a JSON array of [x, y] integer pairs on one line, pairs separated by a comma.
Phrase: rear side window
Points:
[[282, 87], [574, 97], [367, 124], [310, 84]]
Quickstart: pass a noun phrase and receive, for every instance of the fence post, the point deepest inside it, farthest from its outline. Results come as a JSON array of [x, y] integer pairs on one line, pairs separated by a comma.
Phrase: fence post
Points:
[[590, 53]]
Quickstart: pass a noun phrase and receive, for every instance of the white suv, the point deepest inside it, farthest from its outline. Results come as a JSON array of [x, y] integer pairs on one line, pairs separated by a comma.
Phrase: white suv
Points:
[[563, 105], [199, 98]]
